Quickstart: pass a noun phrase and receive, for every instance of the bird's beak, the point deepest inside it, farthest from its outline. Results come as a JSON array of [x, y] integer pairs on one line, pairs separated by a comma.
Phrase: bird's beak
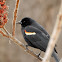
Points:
[[19, 22]]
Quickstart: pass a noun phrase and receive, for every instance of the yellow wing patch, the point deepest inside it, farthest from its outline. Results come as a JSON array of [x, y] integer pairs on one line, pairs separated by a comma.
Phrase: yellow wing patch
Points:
[[30, 33]]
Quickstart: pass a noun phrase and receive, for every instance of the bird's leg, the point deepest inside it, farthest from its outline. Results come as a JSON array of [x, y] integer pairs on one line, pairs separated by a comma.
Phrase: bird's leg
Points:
[[39, 54]]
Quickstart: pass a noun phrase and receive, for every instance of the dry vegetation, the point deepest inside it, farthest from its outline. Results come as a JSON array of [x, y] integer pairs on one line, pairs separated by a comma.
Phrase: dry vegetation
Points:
[[44, 12]]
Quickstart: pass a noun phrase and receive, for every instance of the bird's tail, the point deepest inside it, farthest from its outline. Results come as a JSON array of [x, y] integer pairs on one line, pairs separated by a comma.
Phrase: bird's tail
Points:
[[56, 56]]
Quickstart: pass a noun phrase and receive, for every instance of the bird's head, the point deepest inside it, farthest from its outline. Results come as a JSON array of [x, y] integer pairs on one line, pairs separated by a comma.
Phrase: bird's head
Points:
[[25, 22]]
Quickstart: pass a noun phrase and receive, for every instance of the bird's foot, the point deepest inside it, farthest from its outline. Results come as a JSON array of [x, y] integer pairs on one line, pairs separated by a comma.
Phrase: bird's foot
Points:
[[26, 47], [39, 54]]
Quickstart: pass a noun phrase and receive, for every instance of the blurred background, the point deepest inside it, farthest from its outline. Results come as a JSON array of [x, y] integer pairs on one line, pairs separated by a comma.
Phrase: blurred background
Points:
[[44, 12]]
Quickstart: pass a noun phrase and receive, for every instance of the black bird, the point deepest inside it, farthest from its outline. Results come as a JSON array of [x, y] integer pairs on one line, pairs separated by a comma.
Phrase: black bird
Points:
[[35, 35]]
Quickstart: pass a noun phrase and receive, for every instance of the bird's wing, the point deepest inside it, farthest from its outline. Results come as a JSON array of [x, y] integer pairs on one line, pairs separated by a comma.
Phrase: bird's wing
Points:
[[42, 29], [36, 37], [45, 32]]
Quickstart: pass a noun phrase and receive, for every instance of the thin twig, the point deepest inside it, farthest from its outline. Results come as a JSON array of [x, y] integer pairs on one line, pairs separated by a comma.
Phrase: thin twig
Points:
[[5, 30], [4, 34], [15, 15], [54, 37], [21, 45]]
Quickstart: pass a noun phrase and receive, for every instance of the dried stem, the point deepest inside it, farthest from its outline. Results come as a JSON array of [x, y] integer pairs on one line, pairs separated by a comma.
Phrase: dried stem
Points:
[[54, 37], [20, 44], [15, 16], [5, 30], [4, 34]]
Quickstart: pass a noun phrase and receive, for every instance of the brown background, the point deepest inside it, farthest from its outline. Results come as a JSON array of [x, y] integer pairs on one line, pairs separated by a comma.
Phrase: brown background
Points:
[[44, 12]]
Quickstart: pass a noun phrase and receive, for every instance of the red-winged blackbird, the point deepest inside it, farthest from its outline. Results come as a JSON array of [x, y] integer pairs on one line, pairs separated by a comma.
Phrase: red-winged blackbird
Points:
[[35, 35]]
